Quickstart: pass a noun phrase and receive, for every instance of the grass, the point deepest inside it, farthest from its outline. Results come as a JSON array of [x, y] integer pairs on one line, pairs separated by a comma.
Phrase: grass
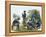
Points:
[[23, 29]]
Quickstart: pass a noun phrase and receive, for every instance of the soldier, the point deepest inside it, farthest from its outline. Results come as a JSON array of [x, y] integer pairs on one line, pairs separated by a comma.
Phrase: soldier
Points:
[[16, 23], [30, 25], [24, 18], [24, 15]]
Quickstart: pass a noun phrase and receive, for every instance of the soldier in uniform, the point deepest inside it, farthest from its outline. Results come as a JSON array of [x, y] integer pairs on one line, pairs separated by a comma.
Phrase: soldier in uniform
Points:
[[24, 15], [24, 18], [16, 23]]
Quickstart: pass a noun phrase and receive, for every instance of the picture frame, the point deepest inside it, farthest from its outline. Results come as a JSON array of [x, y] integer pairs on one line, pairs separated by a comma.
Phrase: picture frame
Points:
[[8, 17]]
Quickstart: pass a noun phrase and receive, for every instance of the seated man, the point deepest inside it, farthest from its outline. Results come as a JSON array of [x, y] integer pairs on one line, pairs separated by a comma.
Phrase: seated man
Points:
[[38, 24], [16, 23], [30, 25]]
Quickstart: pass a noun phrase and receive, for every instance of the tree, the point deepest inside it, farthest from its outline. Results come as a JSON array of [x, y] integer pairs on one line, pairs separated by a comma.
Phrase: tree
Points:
[[35, 18]]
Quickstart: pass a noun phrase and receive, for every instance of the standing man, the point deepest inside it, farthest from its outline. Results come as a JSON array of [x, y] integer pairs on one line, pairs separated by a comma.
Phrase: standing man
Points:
[[24, 15]]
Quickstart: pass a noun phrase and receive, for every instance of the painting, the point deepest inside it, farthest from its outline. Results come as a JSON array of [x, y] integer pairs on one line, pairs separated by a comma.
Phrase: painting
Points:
[[24, 18]]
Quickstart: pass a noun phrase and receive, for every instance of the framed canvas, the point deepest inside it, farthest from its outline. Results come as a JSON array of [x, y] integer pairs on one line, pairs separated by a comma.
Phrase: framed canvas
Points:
[[24, 18]]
